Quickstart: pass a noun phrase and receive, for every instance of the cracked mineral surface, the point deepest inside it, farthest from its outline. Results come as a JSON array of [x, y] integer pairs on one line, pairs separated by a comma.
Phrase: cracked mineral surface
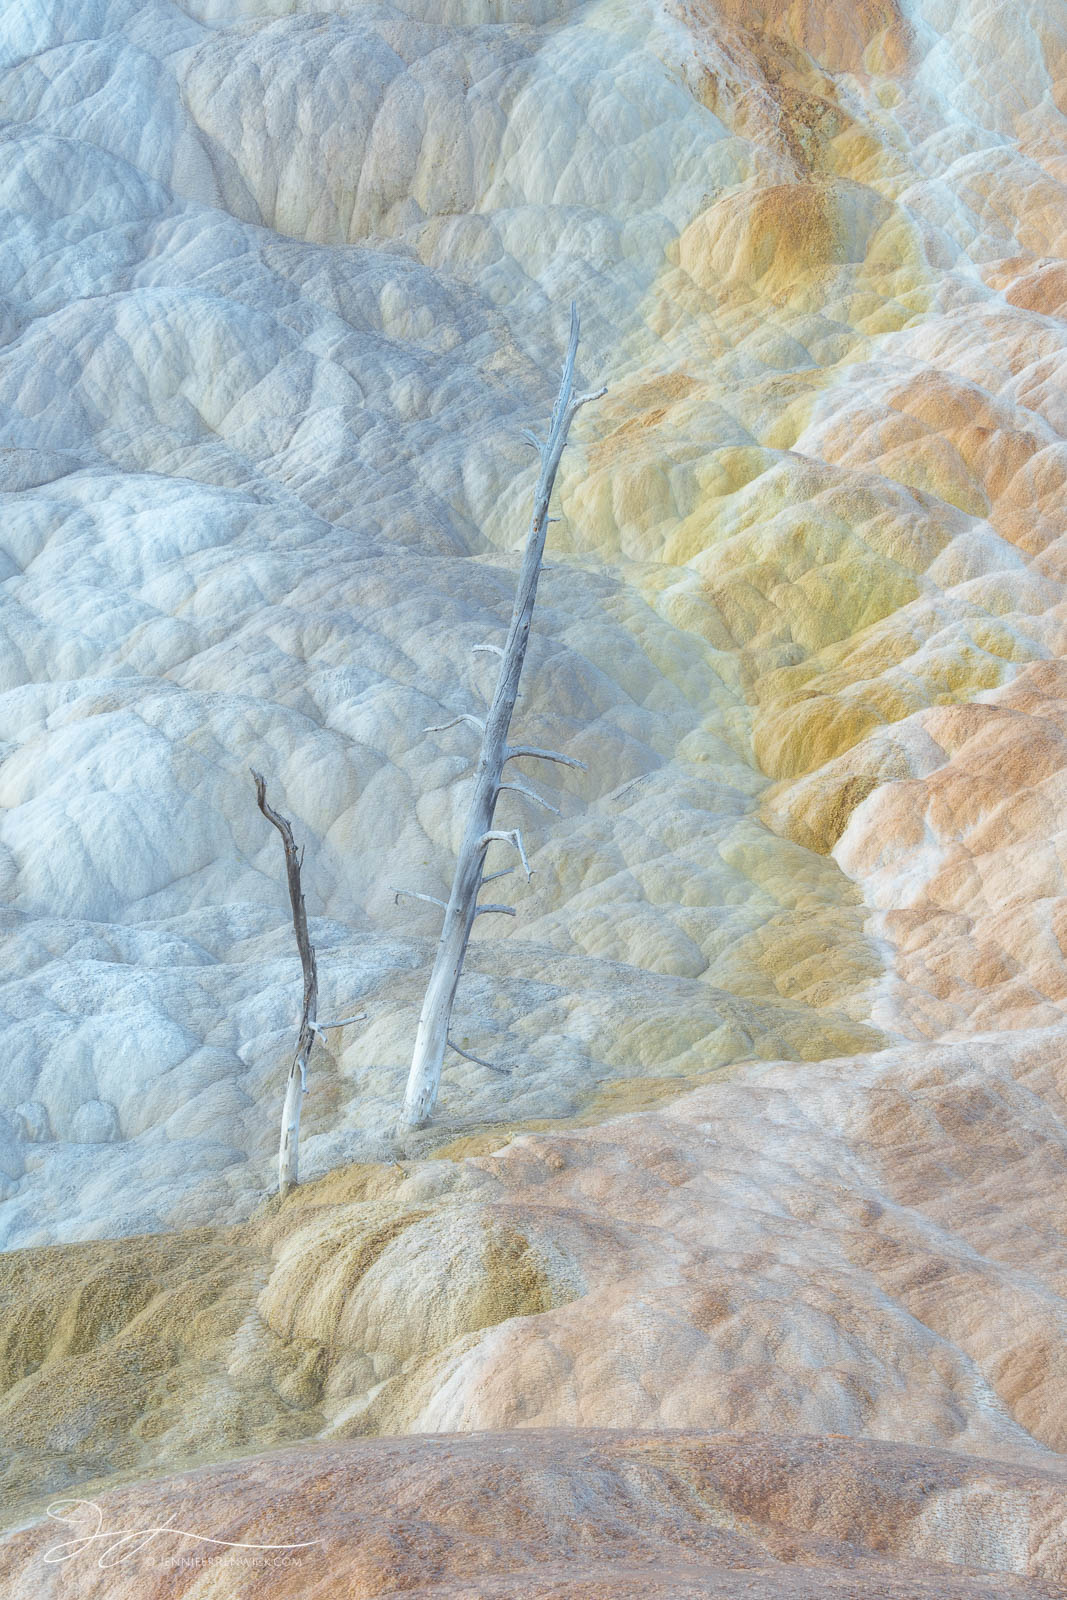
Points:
[[782, 1147]]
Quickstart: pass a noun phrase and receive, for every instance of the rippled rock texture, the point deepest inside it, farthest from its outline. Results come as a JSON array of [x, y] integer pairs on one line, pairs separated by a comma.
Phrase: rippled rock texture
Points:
[[280, 287], [576, 1515]]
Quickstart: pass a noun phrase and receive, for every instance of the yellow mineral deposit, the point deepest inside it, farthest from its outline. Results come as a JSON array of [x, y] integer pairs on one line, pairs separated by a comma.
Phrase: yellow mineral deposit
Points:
[[783, 1146]]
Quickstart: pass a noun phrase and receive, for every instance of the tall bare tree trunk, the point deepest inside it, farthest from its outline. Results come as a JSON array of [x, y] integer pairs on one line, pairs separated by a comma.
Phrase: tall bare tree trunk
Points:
[[296, 1084], [462, 908]]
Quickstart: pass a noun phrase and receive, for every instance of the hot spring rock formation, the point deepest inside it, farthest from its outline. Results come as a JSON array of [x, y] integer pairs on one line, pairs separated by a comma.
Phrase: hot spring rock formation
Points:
[[783, 1147], [588, 1514]]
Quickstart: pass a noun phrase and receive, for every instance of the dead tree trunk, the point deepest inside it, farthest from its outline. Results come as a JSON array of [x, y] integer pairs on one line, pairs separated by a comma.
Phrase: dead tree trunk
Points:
[[296, 1084], [462, 908]]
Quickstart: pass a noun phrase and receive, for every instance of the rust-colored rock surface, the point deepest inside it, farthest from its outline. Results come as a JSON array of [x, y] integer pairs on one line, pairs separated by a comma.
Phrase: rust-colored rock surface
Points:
[[574, 1514]]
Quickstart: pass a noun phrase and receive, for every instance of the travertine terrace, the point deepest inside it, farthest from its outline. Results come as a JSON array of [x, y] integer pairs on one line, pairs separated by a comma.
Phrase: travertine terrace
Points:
[[783, 1147]]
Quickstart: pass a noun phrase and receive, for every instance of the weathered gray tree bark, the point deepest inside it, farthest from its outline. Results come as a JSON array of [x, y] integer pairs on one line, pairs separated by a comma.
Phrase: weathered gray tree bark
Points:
[[296, 1084], [310, 1026], [462, 908]]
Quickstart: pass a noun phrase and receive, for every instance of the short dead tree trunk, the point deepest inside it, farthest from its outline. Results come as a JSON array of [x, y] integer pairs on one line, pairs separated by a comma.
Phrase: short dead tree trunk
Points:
[[462, 906], [310, 1027]]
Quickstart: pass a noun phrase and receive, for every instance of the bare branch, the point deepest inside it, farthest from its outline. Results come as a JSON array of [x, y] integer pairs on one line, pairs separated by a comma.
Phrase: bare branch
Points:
[[531, 438], [580, 400], [477, 1059], [506, 911], [517, 750], [531, 794], [319, 1028], [509, 836], [464, 716], [490, 649], [413, 894], [487, 877]]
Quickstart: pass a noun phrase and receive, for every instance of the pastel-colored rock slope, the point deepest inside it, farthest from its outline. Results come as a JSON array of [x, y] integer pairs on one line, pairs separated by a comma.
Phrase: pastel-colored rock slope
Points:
[[280, 287], [863, 1247], [576, 1515]]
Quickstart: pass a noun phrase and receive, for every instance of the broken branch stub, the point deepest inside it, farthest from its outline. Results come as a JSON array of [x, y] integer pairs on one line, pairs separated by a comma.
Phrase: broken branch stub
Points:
[[432, 1039]]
